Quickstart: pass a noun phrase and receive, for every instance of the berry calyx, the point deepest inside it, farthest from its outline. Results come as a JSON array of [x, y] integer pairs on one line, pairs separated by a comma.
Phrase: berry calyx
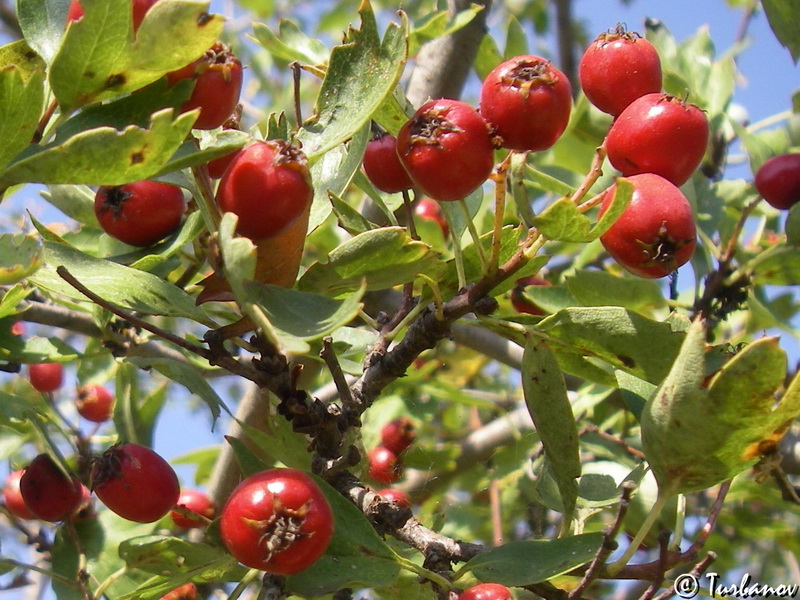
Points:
[[139, 213], [46, 377], [617, 68], [94, 403], [656, 233], [218, 80], [447, 149], [268, 185], [278, 521], [383, 167], [197, 502], [135, 482], [527, 101], [48, 492], [778, 181]]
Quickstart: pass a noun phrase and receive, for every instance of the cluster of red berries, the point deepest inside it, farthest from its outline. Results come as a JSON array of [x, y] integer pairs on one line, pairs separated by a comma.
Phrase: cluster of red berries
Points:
[[385, 460]]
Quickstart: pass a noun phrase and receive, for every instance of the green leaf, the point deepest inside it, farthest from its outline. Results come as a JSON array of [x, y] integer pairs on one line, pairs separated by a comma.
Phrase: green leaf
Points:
[[349, 219], [77, 202], [546, 397], [598, 288], [290, 43], [440, 24], [784, 19], [20, 256], [385, 257], [614, 335], [362, 74], [211, 145], [122, 286], [527, 562], [280, 443], [357, 557], [779, 267], [100, 58], [793, 226], [42, 23], [103, 156], [736, 411], [21, 105], [562, 221]]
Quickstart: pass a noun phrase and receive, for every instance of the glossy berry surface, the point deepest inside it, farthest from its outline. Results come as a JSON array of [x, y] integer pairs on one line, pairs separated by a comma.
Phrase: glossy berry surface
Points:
[[139, 213], [135, 483], [656, 233], [778, 181], [660, 134], [218, 80], [48, 492], [196, 502], [94, 403], [187, 591], [617, 68], [429, 210], [520, 302], [486, 591], [268, 185], [384, 465], [527, 101], [383, 167], [447, 149], [277, 521], [12, 497], [394, 495], [46, 377], [398, 435]]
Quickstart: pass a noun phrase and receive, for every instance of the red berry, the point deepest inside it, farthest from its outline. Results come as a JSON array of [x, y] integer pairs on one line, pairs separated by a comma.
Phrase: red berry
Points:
[[384, 466], [398, 435], [518, 299], [140, 7], [18, 328], [394, 495], [527, 101], [447, 149], [46, 377], [383, 166], [217, 86], [94, 403], [12, 497], [75, 11], [486, 591], [617, 68], [656, 233], [49, 494], [135, 482], [139, 213], [268, 185], [277, 521], [196, 502], [778, 181], [188, 591], [660, 134], [429, 210], [218, 166]]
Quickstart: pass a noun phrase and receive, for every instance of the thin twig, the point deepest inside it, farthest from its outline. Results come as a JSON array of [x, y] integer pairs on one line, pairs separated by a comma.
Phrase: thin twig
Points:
[[329, 356]]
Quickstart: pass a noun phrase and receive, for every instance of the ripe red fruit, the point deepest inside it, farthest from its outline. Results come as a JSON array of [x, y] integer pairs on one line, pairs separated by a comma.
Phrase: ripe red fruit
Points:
[[656, 233], [188, 591], [277, 521], [46, 377], [383, 167], [217, 86], [518, 299], [18, 328], [12, 497], [486, 591], [398, 435], [447, 149], [218, 166], [778, 181], [49, 494], [429, 210], [268, 185], [139, 213], [94, 403], [135, 482], [197, 502], [527, 101], [384, 466], [660, 134], [394, 495], [617, 68], [140, 7]]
